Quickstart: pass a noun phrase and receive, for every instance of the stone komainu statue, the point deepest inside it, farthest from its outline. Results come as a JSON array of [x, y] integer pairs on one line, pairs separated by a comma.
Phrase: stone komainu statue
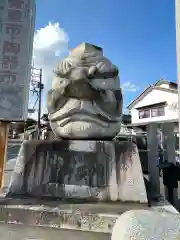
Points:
[[85, 101]]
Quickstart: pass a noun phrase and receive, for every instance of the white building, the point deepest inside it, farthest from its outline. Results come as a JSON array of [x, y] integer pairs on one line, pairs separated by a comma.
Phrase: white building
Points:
[[157, 103]]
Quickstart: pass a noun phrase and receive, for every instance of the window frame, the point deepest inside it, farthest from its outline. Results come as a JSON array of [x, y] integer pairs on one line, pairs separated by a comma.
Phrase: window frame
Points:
[[160, 111], [144, 110]]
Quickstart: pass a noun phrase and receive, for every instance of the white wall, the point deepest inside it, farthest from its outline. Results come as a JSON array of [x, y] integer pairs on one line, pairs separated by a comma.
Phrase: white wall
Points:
[[164, 85], [154, 97]]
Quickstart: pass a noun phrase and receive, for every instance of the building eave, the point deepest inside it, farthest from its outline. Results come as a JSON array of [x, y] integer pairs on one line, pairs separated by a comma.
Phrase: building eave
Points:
[[148, 90], [141, 96]]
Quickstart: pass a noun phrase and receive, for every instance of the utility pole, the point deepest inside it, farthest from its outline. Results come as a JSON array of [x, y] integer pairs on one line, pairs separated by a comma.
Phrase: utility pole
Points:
[[41, 86], [177, 19], [36, 88]]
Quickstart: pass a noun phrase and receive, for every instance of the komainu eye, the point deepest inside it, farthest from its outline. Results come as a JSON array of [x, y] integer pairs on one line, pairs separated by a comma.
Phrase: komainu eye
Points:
[[107, 69], [102, 67], [92, 71]]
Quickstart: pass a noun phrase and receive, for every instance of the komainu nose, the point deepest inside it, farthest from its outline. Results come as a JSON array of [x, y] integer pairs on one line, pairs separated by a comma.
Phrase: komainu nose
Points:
[[81, 90], [78, 74], [79, 86]]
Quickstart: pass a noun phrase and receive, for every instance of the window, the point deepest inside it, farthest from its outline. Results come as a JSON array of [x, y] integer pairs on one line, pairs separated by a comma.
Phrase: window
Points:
[[144, 113], [153, 110], [157, 111]]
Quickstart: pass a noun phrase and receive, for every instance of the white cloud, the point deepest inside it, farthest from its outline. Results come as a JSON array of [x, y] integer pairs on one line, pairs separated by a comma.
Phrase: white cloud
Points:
[[50, 44], [129, 87]]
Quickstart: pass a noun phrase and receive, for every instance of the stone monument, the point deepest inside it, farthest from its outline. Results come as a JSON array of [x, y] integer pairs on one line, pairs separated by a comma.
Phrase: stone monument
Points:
[[85, 101], [84, 162]]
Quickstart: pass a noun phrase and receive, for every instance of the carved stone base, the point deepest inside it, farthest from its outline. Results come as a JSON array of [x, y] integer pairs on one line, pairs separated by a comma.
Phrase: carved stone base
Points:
[[75, 169]]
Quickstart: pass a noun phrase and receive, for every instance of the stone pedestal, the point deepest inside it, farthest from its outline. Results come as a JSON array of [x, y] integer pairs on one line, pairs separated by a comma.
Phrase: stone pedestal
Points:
[[75, 169]]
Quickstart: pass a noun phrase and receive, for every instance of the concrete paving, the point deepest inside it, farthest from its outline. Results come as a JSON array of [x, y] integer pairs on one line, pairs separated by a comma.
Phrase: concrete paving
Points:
[[21, 232]]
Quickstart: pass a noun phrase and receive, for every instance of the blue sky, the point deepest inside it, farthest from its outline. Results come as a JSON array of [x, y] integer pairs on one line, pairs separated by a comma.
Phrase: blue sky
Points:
[[137, 35]]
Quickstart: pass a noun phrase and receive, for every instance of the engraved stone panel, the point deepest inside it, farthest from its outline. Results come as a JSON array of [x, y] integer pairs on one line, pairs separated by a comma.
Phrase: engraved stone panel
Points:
[[77, 169]]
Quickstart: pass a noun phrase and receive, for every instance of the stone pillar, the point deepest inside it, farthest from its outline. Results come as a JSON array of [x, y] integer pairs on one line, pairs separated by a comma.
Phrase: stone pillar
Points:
[[169, 155], [169, 142], [153, 161]]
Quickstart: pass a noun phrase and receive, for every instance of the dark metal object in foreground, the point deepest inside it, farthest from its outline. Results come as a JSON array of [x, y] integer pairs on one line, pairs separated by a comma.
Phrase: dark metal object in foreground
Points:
[[171, 176]]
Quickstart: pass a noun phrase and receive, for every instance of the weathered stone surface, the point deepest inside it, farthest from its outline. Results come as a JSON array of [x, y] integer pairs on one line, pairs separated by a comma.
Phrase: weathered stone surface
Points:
[[91, 170], [144, 224], [21, 232], [92, 217], [85, 101]]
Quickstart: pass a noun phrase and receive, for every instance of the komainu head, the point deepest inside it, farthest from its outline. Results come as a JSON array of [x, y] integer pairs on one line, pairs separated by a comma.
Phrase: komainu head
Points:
[[85, 101]]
